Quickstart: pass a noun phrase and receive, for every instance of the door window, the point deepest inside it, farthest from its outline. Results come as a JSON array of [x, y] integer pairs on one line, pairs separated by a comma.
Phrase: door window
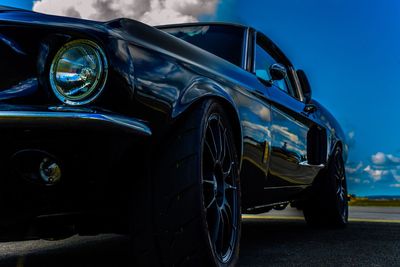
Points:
[[262, 61]]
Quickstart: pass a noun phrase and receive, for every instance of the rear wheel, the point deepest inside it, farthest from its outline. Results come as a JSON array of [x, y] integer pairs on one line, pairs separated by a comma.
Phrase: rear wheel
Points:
[[328, 203], [197, 194]]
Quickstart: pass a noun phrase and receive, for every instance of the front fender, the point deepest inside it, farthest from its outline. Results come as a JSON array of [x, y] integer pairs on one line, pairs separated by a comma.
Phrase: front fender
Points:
[[168, 87], [204, 88]]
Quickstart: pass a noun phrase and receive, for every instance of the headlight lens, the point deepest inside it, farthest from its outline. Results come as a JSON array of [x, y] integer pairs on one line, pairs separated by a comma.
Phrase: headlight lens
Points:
[[78, 72]]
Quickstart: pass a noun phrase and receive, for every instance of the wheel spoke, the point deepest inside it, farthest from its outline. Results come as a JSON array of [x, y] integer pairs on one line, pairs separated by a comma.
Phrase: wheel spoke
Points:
[[214, 143], [338, 190], [228, 212], [216, 228], [340, 173], [339, 166], [337, 161], [230, 187], [228, 172], [210, 182], [223, 147], [338, 177], [343, 194], [221, 233], [219, 140], [213, 200], [213, 157]]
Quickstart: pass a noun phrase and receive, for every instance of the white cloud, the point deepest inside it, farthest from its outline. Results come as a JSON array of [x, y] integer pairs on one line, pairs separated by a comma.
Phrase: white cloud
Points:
[[351, 134], [378, 158], [366, 182], [350, 170], [262, 111], [284, 131], [396, 176], [395, 185], [152, 12], [393, 158], [256, 127], [376, 175]]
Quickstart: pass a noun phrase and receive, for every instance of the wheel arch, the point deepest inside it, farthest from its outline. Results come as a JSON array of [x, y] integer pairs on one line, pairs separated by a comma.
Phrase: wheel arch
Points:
[[337, 144], [234, 118], [236, 126]]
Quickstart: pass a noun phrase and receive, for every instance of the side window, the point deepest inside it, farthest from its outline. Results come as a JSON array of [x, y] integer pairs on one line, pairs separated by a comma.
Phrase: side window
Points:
[[263, 60]]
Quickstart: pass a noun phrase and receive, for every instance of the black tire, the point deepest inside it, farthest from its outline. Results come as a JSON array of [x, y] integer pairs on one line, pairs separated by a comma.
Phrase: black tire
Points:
[[192, 193], [328, 203]]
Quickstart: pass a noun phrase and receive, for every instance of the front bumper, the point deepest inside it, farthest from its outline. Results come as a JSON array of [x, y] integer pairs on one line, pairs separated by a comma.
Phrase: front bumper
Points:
[[95, 150], [67, 117]]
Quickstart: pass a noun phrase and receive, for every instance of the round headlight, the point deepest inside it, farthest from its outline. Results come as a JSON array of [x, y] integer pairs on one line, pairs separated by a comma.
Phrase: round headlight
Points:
[[78, 72]]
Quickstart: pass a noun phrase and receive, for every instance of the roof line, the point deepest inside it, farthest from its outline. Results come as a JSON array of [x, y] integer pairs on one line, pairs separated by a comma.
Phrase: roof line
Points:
[[193, 24]]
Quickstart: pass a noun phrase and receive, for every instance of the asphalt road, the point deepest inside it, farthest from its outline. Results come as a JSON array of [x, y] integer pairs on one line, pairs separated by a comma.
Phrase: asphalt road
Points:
[[357, 214], [274, 239]]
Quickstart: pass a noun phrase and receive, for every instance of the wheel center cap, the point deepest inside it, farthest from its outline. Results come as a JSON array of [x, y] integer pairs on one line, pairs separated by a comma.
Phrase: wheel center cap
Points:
[[215, 188], [219, 185]]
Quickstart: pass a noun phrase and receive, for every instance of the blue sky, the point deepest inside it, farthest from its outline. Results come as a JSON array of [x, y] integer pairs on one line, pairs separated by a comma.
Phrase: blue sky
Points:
[[350, 50], [25, 4]]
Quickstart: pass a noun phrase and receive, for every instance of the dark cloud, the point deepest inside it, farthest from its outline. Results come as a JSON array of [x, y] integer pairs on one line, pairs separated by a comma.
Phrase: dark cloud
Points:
[[105, 11], [147, 11], [72, 12]]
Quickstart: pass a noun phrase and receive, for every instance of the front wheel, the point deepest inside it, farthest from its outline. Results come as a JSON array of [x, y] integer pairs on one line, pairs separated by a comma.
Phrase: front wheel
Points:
[[197, 192], [328, 203]]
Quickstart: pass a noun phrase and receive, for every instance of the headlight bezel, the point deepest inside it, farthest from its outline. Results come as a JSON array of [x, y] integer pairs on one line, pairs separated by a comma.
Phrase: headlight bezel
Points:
[[96, 89]]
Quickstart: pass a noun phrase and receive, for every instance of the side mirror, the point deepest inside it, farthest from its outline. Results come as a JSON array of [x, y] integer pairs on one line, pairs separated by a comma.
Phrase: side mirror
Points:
[[305, 85], [277, 72]]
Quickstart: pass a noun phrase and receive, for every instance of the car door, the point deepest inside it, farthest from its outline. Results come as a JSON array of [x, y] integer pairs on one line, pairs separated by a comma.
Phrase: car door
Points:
[[292, 124]]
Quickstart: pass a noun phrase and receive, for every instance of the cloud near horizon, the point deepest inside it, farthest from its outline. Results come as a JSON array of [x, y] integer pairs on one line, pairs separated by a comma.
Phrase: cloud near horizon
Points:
[[153, 12], [381, 170], [351, 170], [378, 158], [375, 174]]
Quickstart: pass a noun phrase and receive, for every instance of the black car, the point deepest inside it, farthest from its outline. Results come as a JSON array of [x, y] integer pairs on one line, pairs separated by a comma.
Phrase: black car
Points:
[[166, 133]]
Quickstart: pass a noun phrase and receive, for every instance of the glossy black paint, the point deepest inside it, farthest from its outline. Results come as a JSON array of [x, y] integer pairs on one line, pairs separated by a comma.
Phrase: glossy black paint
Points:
[[154, 79]]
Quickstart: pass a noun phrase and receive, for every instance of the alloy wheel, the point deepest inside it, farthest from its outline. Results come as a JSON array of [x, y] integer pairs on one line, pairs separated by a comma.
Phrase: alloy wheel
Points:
[[341, 187], [220, 187]]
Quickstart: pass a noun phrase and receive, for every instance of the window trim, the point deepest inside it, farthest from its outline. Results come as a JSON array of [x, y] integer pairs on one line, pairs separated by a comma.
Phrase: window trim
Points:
[[246, 49], [297, 85], [277, 55]]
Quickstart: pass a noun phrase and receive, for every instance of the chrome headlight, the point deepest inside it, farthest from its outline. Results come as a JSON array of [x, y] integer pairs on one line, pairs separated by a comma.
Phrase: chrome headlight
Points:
[[78, 72]]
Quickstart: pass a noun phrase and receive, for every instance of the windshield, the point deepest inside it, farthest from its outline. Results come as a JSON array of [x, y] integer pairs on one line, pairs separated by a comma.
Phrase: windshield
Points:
[[220, 40]]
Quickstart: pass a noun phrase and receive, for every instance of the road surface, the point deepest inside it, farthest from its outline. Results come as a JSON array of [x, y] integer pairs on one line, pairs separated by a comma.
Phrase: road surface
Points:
[[357, 214], [274, 239]]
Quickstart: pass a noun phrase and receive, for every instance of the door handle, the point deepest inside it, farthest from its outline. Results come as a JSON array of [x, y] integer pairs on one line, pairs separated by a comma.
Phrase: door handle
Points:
[[310, 108], [306, 164]]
